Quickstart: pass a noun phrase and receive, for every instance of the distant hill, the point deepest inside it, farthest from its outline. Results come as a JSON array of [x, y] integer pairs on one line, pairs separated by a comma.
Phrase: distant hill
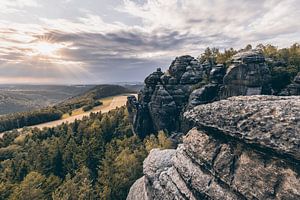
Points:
[[89, 97], [20, 98], [134, 87], [101, 91]]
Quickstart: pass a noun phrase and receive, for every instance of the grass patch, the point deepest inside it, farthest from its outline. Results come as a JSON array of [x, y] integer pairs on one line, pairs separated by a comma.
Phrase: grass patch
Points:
[[106, 102]]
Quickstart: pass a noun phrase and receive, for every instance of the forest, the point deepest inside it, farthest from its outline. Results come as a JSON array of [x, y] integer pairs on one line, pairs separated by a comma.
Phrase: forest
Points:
[[96, 158]]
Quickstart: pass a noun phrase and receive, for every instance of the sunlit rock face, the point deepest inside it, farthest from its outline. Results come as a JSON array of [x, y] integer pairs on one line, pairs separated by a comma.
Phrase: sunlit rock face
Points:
[[245, 147], [187, 83]]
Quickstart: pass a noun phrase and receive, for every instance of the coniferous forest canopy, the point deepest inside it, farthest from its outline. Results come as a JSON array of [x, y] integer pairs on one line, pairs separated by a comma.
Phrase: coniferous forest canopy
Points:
[[96, 158], [100, 157]]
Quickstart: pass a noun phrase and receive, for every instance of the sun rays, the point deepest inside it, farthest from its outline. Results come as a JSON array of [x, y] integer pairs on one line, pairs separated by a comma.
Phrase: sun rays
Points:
[[46, 58], [45, 48]]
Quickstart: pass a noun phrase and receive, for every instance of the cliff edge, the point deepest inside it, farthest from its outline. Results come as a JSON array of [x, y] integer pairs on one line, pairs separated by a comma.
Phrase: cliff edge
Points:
[[244, 147]]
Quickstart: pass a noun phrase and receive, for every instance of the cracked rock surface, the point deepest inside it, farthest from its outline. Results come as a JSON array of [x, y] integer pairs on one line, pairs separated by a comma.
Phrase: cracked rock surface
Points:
[[240, 148]]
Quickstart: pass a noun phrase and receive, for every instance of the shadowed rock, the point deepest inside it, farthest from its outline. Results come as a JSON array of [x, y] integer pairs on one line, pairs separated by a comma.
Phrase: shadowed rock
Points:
[[162, 109], [248, 75], [187, 83], [164, 97], [293, 88]]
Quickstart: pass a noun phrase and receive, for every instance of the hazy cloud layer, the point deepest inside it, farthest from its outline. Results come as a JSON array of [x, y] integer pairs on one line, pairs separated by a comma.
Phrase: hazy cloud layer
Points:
[[108, 41]]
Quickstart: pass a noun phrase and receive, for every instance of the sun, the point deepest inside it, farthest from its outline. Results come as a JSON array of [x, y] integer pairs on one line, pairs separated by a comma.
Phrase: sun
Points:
[[47, 48]]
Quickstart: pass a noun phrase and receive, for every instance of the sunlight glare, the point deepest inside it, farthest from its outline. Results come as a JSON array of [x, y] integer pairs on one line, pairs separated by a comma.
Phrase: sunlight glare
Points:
[[47, 48]]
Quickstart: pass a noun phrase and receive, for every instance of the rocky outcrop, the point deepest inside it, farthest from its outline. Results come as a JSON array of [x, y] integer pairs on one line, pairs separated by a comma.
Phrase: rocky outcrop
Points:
[[244, 147], [188, 83], [268, 122], [293, 88], [248, 75], [163, 99], [162, 108]]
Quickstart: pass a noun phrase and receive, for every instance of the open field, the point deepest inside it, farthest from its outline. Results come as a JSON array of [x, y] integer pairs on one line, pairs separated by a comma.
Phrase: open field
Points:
[[109, 103], [106, 102]]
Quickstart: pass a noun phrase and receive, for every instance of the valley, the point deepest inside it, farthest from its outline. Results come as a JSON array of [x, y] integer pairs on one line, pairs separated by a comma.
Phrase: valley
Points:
[[20, 98], [109, 103]]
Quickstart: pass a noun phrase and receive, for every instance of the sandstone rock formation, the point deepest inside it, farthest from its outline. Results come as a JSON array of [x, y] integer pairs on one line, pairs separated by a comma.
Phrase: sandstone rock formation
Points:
[[164, 96], [188, 83], [248, 75], [293, 88], [244, 147]]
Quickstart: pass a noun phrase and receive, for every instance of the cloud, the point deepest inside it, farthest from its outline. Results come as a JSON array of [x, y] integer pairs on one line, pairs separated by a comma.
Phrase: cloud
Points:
[[103, 48], [13, 6], [247, 21]]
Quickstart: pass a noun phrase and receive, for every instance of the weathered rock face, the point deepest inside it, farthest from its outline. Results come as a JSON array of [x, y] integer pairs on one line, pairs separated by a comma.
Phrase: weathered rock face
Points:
[[248, 75], [293, 88], [240, 148], [166, 96], [268, 122], [203, 95], [162, 108]]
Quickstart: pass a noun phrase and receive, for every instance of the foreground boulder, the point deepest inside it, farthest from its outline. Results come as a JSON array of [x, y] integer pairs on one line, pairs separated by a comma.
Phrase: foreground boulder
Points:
[[245, 147]]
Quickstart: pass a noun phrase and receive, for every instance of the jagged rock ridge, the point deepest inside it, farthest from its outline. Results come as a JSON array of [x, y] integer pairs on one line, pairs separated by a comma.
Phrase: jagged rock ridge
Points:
[[239, 148], [188, 83], [165, 95]]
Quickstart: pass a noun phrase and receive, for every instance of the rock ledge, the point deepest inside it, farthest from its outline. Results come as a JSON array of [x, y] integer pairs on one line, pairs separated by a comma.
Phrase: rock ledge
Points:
[[239, 148]]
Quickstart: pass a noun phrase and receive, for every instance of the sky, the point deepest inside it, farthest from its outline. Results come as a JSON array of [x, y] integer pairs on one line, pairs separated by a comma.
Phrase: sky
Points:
[[104, 41]]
